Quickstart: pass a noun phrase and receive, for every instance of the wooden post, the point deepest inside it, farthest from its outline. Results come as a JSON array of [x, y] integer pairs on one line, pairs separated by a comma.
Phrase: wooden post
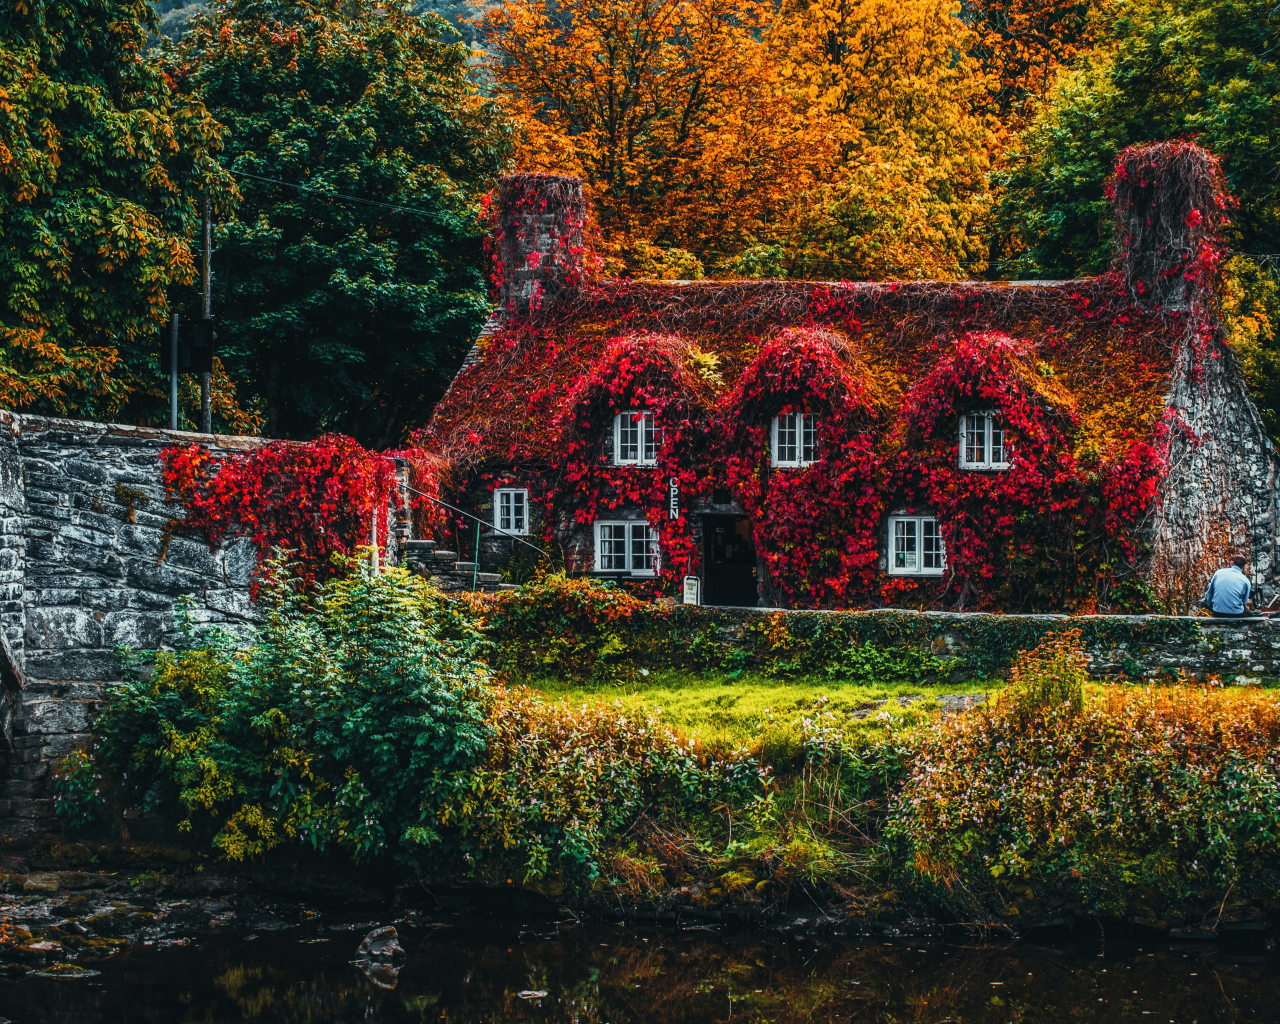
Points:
[[206, 392]]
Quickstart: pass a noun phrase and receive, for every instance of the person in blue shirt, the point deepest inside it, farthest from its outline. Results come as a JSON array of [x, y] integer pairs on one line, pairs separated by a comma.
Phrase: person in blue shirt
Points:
[[1228, 592]]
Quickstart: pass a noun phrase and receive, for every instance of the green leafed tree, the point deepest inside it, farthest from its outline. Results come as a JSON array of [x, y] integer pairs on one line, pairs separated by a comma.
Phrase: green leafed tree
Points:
[[347, 280], [102, 164], [1173, 68]]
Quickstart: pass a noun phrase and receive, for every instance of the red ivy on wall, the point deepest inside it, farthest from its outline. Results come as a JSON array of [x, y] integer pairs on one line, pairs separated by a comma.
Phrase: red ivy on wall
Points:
[[816, 528], [1045, 532], [317, 499], [636, 373]]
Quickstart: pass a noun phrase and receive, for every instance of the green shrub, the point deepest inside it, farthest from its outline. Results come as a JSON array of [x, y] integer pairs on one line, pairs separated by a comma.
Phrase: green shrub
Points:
[[324, 731], [77, 790]]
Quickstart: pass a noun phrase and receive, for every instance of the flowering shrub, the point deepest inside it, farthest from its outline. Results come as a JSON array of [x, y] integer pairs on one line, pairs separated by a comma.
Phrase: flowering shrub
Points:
[[564, 782], [1042, 532], [316, 499], [1174, 789], [817, 527]]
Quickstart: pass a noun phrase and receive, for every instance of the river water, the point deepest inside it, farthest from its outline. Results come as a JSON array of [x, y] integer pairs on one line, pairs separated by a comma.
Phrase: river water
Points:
[[484, 969]]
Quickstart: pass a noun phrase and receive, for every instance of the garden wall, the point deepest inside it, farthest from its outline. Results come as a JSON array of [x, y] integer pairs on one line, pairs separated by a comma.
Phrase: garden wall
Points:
[[550, 633]]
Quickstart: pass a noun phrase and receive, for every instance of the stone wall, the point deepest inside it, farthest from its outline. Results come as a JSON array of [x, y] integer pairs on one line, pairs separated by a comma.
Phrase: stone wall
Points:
[[1219, 495], [84, 570]]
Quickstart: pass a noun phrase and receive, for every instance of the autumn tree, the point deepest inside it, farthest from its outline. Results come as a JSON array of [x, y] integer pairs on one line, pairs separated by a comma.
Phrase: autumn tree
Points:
[[102, 168], [348, 279], [674, 111], [896, 84], [832, 138], [1022, 46]]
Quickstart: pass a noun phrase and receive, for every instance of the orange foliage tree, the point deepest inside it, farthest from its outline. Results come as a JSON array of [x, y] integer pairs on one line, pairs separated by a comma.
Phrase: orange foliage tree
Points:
[[674, 111], [839, 138], [1023, 44], [898, 84]]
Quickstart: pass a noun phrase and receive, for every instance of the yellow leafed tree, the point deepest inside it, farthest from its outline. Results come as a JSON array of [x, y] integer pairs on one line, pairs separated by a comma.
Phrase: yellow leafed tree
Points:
[[904, 95], [844, 136]]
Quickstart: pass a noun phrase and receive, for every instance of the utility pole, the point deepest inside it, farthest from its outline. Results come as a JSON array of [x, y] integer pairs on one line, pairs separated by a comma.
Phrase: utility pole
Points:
[[206, 395], [173, 374]]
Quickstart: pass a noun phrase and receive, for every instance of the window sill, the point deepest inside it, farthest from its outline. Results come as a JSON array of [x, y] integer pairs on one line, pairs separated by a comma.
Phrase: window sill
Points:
[[918, 572], [982, 467]]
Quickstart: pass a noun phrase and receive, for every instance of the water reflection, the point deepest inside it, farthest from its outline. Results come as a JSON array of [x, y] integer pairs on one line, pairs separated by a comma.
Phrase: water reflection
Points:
[[479, 971]]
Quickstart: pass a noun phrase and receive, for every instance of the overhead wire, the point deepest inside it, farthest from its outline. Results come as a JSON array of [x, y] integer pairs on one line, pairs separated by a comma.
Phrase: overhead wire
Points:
[[338, 195]]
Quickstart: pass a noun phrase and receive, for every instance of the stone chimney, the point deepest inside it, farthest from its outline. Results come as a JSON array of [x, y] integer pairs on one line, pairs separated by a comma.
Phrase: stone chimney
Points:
[[1170, 207], [538, 223]]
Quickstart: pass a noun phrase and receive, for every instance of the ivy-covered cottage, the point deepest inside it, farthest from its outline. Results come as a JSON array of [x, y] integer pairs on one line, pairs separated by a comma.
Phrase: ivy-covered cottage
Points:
[[1026, 446]]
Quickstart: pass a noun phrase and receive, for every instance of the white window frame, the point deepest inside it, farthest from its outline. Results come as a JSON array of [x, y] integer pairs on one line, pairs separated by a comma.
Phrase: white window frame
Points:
[[646, 447], [916, 527], [804, 426], [990, 423], [626, 561], [512, 494]]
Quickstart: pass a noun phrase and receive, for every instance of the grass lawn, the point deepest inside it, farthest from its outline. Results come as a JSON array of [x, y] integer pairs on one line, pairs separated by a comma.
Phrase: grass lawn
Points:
[[730, 710]]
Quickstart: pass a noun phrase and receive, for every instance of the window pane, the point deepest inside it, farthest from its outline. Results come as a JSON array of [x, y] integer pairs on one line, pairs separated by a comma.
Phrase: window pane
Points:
[[974, 440], [998, 453], [904, 544], [628, 438], [643, 548], [517, 512], [613, 546], [504, 510], [649, 448], [786, 439], [806, 454], [932, 554]]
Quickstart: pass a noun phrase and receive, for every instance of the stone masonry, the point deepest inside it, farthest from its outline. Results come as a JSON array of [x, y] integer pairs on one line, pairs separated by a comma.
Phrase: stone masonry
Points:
[[81, 534]]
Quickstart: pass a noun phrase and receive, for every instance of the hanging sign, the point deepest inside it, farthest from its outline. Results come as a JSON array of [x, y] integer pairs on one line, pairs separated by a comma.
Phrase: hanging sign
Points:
[[673, 497]]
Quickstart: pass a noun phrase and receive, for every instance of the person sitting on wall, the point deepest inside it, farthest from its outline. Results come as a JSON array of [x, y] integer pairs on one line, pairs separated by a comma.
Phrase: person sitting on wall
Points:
[[1228, 592]]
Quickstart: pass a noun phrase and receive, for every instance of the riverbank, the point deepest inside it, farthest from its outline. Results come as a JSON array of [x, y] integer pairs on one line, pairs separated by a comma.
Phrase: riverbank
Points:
[[378, 732]]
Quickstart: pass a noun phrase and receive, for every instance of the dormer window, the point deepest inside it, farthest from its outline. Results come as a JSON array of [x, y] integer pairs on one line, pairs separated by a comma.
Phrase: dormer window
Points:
[[915, 546], [511, 510], [982, 442], [794, 436], [634, 441]]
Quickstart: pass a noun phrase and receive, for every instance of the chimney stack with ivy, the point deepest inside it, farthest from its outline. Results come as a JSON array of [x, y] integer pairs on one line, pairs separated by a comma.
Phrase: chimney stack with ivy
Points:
[[1170, 206], [539, 222]]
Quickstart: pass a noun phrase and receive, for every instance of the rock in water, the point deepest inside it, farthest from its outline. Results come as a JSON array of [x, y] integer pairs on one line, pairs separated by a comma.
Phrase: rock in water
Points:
[[381, 974], [381, 944]]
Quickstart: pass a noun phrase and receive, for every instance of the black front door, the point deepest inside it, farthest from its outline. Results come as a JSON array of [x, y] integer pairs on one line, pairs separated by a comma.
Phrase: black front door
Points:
[[730, 561]]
